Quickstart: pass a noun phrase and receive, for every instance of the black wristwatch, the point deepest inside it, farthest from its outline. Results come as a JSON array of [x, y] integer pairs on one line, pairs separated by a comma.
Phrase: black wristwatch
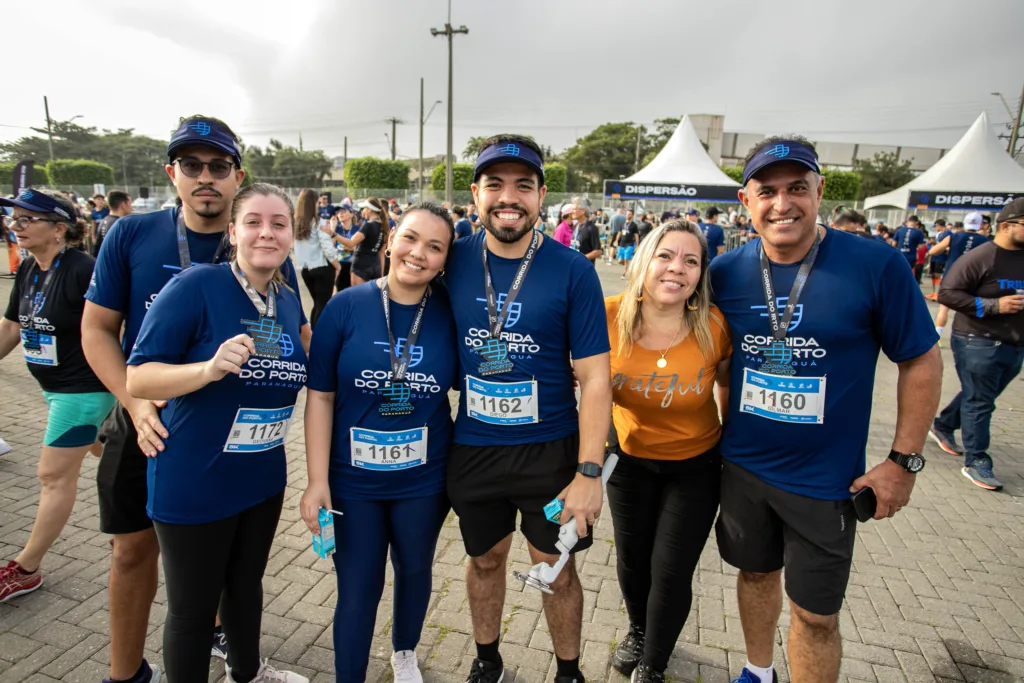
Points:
[[911, 462], [589, 469]]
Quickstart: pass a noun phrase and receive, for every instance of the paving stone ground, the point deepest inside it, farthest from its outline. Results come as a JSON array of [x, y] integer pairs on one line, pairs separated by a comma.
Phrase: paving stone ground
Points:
[[936, 594]]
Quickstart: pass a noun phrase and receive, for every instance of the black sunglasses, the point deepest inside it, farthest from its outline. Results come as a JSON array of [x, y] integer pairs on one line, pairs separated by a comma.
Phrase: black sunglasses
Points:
[[193, 168]]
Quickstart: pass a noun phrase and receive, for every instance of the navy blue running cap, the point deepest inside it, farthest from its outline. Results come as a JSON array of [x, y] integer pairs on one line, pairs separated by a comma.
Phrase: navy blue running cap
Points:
[[509, 151], [38, 202], [205, 133], [784, 150]]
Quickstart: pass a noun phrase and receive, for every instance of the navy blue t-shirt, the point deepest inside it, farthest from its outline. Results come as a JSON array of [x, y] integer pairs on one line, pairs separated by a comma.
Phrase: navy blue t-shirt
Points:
[[558, 315], [349, 356], [961, 243], [140, 255], [463, 228], [194, 480], [97, 216], [944, 256], [859, 298], [325, 212], [715, 237], [907, 241]]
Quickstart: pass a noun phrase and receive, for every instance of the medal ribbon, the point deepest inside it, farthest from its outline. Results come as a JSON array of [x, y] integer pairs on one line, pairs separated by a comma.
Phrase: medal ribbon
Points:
[[184, 255], [400, 361], [28, 306], [268, 309], [780, 327], [495, 320]]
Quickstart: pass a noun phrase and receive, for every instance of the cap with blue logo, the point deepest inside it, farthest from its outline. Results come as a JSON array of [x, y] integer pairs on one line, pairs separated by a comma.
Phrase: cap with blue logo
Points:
[[783, 150], [30, 200], [972, 221], [204, 133], [509, 152]]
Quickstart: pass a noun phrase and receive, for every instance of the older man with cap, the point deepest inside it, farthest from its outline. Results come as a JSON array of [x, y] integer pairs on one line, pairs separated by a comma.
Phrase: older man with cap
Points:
[[807, 304], [529, 313], [986, 289], [140, 254]]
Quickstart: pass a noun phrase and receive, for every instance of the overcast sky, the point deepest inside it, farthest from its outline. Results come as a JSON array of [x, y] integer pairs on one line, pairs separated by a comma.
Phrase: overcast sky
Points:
[[910, 72]]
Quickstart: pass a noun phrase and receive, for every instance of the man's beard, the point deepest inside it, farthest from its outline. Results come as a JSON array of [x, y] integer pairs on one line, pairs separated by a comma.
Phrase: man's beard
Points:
[[509, 235], [209, 210]]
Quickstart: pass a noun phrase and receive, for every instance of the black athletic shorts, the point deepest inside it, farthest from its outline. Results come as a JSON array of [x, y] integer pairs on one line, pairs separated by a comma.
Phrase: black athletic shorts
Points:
[[762, 529], [488, 485], [937, 267], [121, 477]]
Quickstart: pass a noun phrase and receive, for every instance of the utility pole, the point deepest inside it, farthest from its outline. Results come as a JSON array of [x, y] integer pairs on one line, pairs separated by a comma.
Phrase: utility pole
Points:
[[1016, 126], [344, 154], [49, 125], [449, 32], [124, 167], [394, 121]]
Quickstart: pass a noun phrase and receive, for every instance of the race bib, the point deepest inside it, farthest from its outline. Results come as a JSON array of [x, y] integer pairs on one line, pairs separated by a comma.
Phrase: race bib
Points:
[[39, 349], [258, 429], [785, 399], [386, 451], [501, 403]]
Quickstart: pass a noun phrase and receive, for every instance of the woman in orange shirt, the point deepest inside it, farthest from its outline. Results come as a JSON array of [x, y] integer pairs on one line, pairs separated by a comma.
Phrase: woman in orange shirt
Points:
[[669, 346]]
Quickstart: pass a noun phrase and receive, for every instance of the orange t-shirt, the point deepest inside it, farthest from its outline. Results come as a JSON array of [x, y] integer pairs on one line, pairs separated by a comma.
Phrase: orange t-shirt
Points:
[[666, 413]]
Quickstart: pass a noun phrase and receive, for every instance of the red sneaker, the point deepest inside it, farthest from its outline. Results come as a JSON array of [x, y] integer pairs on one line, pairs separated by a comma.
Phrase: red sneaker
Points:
[[14, 582]]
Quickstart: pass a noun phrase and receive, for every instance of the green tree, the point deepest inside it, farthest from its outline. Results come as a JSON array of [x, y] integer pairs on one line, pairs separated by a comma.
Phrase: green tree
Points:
[[555, 177], [883, 172], [79, 172], [298, 168], [139, 157], [462, 177], [734, 172], [840, 185], [608, 151], [373, 173], [472, 149]]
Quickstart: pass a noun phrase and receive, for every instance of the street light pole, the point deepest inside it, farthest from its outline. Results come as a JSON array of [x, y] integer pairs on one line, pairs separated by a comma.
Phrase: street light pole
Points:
[[423, 122], [1016, 126], [449, 32], [49, 126]]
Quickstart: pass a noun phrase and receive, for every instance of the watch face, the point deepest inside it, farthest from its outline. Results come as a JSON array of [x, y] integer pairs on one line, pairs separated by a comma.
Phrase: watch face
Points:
[[915, 463]]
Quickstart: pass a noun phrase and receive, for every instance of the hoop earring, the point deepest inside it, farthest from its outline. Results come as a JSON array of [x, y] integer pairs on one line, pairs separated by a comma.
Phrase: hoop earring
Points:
[[693, 307], [387, 253]]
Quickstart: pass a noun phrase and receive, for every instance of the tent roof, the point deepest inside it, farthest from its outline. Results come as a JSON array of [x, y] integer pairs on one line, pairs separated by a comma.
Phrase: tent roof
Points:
[[683, 159], [978, 163]]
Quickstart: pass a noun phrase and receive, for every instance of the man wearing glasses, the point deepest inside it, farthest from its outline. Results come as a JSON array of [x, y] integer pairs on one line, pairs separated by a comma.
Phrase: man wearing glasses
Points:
[[986, 289], [140, 254]]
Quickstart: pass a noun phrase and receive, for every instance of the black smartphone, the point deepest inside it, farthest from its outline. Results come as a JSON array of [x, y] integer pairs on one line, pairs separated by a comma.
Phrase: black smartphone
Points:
[[864, 504]]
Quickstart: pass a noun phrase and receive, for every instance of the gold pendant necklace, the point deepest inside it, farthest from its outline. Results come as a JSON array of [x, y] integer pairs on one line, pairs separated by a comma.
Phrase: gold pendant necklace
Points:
[[662, 363]]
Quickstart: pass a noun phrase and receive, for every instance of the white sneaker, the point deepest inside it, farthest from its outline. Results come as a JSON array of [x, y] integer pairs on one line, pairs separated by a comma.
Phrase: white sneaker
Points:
[[403, 664], [268, 674]]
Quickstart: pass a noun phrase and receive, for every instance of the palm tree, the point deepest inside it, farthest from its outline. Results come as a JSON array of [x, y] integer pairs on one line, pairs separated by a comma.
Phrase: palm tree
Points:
[[472, 149]]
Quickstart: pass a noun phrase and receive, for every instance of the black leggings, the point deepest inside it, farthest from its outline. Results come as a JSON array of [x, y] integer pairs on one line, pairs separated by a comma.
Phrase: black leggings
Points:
[[320, 283], [204, 564], [344, 279], [662, 512]]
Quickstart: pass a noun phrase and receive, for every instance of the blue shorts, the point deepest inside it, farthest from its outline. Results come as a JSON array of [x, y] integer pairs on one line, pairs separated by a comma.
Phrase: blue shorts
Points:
[[74, 419], [626, 253]]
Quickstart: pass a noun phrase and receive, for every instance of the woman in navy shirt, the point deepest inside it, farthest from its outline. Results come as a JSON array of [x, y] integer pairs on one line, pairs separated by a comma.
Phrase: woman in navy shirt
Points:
[[221, 344], [378, 430]]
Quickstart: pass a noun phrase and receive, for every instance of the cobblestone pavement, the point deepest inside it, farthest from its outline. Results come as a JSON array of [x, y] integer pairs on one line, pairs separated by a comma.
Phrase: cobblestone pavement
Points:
[[936, 593]]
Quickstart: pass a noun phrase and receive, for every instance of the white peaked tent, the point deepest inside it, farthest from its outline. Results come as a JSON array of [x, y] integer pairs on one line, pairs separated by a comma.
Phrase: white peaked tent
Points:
[[978, 163], [683, 159]]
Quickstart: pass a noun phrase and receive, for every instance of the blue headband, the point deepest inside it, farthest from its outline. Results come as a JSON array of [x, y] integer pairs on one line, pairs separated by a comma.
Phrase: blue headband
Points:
[[205, 133], [39, 203], [785, 150], [509, 151]]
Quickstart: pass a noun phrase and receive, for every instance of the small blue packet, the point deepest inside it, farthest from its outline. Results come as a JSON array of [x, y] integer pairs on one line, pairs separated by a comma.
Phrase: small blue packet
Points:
[[324, 543], [554, 509]]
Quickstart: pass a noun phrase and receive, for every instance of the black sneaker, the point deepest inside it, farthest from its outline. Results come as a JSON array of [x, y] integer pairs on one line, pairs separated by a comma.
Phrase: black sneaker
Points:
[[645, 674], [485, 672], [630, 650], [220, 646]]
